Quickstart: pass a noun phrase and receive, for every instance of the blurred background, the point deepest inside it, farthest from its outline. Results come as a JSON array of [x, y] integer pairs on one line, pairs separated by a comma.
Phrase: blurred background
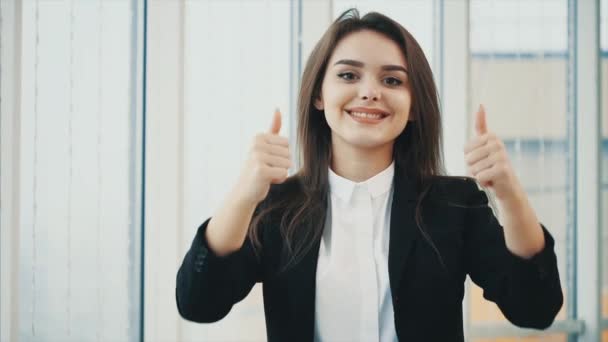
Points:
[[125, 122]]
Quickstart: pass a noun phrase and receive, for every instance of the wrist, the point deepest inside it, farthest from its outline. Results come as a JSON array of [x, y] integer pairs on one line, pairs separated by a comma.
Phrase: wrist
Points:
[[516, 200], [241, 200], [511, 193]]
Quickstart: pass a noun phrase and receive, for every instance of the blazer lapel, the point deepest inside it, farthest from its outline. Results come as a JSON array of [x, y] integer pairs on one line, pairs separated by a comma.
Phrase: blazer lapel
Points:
[[301, 279], [402, 229]]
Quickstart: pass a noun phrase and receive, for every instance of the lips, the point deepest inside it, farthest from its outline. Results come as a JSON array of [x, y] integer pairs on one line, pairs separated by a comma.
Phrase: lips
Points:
[[372, 113], [366, 120], [366, 115]]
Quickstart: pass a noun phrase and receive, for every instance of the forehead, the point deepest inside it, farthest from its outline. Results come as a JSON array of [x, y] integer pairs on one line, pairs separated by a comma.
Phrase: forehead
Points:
[[369, 47]]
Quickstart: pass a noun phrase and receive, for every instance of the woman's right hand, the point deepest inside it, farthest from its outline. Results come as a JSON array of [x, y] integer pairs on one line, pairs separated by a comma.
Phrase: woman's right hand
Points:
[[268, 163]]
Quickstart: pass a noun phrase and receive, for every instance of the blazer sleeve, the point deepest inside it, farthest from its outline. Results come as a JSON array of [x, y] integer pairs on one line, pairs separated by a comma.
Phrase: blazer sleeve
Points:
[[527, 291], [209, 285]]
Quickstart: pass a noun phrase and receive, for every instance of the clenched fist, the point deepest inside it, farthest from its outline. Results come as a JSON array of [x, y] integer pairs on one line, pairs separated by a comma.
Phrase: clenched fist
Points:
[[488, 162], [268, 163]]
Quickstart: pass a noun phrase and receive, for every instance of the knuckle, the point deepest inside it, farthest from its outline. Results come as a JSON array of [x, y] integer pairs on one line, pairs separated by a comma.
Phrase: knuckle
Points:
[[496, 145]]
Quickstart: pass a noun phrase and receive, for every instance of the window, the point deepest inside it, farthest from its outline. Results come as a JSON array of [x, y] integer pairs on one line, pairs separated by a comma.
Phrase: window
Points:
[[518, 70]]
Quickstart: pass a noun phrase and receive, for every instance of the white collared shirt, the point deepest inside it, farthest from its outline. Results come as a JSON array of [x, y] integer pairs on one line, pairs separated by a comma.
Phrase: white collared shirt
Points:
[[353, 299]]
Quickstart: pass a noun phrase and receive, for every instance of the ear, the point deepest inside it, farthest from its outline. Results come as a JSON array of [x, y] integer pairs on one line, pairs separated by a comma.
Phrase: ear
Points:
[[318, 103]]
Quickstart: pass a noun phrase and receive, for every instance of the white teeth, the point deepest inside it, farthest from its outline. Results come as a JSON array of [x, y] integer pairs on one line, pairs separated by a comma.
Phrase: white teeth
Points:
[[366, 115]]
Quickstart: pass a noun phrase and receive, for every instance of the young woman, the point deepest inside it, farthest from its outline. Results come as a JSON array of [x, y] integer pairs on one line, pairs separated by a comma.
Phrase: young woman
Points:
[[369, 241]]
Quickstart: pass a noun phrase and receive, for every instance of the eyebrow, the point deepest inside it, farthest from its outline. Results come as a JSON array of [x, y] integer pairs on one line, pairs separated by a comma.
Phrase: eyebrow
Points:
[[359, 64]]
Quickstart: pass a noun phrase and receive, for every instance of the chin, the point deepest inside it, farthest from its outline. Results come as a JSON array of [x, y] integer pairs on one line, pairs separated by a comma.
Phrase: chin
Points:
[[366, 142]]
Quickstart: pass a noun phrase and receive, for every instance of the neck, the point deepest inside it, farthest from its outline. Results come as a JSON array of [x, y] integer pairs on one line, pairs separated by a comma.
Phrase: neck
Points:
[[360, 164]]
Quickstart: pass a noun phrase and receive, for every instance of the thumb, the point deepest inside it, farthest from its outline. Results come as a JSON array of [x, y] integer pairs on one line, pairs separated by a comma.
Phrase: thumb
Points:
[[276, 122], [481, 126]]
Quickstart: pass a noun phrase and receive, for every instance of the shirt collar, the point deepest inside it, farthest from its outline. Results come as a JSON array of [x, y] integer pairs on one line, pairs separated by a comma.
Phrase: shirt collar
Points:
[[376, 185]]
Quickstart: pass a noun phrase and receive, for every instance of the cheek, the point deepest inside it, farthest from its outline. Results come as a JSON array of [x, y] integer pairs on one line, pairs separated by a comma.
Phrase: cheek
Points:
[[338, 95], [405, 99], [402, 104]]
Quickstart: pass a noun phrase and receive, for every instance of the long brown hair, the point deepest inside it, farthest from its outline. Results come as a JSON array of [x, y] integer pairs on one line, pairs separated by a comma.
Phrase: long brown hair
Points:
[[417, 151]]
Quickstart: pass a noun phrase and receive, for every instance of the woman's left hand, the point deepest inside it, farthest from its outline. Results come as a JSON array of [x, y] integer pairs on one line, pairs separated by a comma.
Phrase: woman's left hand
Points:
[[488, 162]]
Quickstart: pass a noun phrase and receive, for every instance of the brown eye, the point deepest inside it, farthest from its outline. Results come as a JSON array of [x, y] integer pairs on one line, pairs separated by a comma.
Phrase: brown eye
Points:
[[347, 76], [392, 81]]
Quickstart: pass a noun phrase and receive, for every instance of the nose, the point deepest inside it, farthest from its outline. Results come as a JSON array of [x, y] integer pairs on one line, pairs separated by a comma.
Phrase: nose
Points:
[[369, 91]]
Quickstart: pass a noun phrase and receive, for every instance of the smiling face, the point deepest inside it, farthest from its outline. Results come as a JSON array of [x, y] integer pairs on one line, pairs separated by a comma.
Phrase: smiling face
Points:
[[365, 92]]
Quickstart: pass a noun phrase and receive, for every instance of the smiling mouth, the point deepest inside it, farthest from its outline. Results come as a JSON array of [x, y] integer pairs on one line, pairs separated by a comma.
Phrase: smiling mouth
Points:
[[366, 116]]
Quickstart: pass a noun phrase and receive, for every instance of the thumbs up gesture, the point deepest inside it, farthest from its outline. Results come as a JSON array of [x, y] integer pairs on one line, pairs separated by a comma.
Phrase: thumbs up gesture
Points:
[[487, 160], [268, 163]]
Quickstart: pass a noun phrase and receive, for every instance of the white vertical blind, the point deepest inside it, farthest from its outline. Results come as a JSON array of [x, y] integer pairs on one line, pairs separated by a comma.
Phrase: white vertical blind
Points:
[[10, 46], [77, 212]]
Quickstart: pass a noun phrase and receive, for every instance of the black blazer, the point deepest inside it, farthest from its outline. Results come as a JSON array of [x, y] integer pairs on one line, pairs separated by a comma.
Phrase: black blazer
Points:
[[427, 297]]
